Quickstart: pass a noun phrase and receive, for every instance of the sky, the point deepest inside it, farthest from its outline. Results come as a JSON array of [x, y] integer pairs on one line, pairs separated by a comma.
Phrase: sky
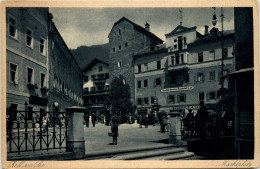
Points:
[[91, 26]]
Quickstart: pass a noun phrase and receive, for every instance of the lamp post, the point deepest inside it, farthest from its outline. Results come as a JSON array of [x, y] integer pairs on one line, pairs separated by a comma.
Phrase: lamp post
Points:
[[214, 22]]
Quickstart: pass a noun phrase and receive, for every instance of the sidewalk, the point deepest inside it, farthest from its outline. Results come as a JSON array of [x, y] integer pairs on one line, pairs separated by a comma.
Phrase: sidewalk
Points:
[[130, 137]]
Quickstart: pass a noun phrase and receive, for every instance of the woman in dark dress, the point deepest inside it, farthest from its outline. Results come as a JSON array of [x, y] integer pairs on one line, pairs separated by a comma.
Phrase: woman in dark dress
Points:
[[114, 129]]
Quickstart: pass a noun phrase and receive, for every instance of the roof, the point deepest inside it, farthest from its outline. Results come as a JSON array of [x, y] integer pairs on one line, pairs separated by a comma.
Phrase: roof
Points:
[[180, 29], [147, 50], [93, 62], [251, 69], [214, 33], [138, 27]]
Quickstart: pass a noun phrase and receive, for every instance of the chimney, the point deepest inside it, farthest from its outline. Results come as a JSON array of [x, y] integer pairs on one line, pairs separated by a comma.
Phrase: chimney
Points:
[[206, 30], [147, 27]]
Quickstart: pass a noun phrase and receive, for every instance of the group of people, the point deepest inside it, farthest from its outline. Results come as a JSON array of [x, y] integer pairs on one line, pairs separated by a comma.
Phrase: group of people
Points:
[[93, 119], [146, 119], [196, 124]]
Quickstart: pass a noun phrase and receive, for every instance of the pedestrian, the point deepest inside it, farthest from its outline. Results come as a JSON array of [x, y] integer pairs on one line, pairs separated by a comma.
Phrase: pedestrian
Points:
[[140, 121], [93, 119], [163, 123], [168, 123], [114, 129], [189, 123], [146, 120], [202, 119], [86, 118]]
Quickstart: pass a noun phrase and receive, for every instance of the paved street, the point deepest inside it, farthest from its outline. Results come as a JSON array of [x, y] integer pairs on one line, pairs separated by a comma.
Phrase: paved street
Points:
[[130, 136]]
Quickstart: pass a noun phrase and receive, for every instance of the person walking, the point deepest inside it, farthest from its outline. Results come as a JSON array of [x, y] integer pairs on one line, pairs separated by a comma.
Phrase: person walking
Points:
[[93, 119], [140, 121], [189, 123], [202, 119], [114, 129], [86, 118]]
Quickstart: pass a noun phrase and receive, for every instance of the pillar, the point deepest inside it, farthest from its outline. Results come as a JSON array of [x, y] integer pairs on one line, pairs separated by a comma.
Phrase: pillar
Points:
[[175, 127], [75, 134]]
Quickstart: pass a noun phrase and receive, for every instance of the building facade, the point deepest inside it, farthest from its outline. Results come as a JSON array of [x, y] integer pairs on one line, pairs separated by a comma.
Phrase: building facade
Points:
[[36, 58], [96, 86], [125, 39], [66, 77], [185, 71], [27, 58]]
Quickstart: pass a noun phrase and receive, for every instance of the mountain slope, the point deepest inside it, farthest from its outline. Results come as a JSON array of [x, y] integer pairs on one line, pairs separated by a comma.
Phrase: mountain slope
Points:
[[84, 54]]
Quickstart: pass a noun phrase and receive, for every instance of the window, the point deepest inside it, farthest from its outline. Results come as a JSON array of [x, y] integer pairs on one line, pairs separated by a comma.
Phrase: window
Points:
[[225, 53], [119, 31], [42, 47], [158, 82], [201, 96], [100, 68], [171, 99], [145, 67], [212, 55], [139, 68], [225, 72], [93, 77], [13, 73], [182, 98], [212, 95], [184, 40], [200, 77], [12, 27], [159, 64], [152, 100], [182, 59], [119, 64], [146, 101], [106, 75], [175, 46], [124, 28], [139, 84], [42, 80], [145, 83], [200, 57], [28, 37], [126, 44], [101, 75], [139, 101], [119, 47], [114, 49], [29, 76], [212, 76], [175, 40], [172, 60], [142, 45], [186, 78], [177, 58]]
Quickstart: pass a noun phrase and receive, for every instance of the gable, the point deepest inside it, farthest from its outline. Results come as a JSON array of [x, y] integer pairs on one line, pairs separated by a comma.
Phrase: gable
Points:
[[179, 29]]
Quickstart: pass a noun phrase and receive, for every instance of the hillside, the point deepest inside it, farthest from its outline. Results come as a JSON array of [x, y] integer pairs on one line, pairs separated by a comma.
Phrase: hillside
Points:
[[84, 54]]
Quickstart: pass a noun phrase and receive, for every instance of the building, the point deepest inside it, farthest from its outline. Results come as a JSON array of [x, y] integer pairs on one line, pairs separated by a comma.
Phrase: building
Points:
[[96, 86], [27, 58], [40, 69], [125, 39], [65, 75], [243, 77], [184, 71]]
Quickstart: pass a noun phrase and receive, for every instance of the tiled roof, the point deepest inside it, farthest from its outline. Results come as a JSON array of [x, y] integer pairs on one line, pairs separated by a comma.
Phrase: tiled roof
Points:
[[93, 62], [179, 29], [148, 49], [138, 27]]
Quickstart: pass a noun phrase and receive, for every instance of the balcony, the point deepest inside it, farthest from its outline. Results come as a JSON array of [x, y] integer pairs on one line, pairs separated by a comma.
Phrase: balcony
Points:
[[183, 66]]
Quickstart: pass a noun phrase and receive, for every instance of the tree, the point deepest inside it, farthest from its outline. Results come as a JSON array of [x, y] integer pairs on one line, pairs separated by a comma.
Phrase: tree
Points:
[[119, 98]]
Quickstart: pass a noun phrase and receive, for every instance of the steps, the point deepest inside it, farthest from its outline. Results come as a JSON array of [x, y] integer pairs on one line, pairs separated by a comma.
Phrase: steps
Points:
[[167, 152]]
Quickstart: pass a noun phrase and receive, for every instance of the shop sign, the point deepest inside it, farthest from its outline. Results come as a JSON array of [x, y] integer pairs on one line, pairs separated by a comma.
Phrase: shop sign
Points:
[[175, 89], [192, 107]]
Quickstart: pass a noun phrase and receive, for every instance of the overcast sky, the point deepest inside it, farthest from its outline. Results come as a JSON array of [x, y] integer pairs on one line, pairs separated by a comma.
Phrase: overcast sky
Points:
[[91, 26]]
